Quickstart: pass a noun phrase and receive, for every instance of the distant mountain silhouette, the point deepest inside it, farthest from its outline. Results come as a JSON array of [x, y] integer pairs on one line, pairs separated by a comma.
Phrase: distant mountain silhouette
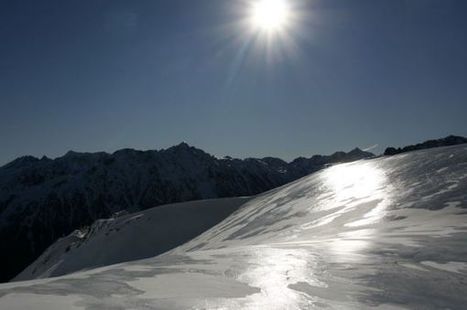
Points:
[[449, 140], [42, 200]]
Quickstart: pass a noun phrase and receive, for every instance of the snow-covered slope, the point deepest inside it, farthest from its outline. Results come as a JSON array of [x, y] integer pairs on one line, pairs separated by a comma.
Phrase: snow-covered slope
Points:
[[386, 233], [42, 200], [130, 237]]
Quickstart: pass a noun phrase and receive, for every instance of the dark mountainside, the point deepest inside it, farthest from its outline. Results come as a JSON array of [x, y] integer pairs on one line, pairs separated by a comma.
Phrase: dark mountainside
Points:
[[448, 141], [42, 200]]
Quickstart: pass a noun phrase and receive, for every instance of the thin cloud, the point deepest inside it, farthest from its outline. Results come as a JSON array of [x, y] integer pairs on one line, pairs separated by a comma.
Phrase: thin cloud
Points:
[[371, 147]]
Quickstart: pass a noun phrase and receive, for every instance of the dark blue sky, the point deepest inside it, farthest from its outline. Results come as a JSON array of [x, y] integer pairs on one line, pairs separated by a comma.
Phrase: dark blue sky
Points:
[[93, 75]]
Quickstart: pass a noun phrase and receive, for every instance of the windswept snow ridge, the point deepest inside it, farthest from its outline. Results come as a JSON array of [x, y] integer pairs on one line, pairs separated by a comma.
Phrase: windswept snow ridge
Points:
[[130, 237], [386, 233]]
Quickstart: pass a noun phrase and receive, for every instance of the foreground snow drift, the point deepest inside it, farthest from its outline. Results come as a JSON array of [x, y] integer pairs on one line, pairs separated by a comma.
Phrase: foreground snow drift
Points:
[[386, 233]]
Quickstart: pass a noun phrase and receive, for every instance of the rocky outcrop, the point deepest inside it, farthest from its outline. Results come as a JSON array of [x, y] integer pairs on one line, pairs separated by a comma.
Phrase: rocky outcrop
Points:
[[448, 141]]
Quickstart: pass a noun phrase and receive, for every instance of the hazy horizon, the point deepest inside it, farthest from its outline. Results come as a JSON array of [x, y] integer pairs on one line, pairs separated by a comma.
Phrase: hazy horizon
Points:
[[101, 76], [375, 149]]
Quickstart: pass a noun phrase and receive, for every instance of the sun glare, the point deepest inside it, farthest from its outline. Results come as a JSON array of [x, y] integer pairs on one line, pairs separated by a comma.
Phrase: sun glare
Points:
[[270, 15]]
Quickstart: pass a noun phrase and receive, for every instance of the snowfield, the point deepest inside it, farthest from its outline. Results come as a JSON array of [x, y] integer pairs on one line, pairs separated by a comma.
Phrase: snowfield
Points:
[[385, 233], [130, 237]]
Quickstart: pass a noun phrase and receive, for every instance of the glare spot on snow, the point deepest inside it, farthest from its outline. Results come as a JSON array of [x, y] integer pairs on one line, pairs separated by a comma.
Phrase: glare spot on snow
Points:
[[364, 192], [273, 269], [354, 181]]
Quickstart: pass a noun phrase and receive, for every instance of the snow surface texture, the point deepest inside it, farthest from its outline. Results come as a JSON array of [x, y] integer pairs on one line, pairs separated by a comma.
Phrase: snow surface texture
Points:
[[130, 237], [386, 233]]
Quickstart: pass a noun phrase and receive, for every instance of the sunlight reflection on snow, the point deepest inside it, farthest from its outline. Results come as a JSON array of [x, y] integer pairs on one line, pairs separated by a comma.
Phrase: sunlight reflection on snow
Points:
[[365, 188], [355, 181], [273, 270], [361, 191]]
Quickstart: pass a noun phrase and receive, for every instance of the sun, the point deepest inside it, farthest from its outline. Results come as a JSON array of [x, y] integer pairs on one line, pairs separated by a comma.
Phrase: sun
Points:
[[270, 15]]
